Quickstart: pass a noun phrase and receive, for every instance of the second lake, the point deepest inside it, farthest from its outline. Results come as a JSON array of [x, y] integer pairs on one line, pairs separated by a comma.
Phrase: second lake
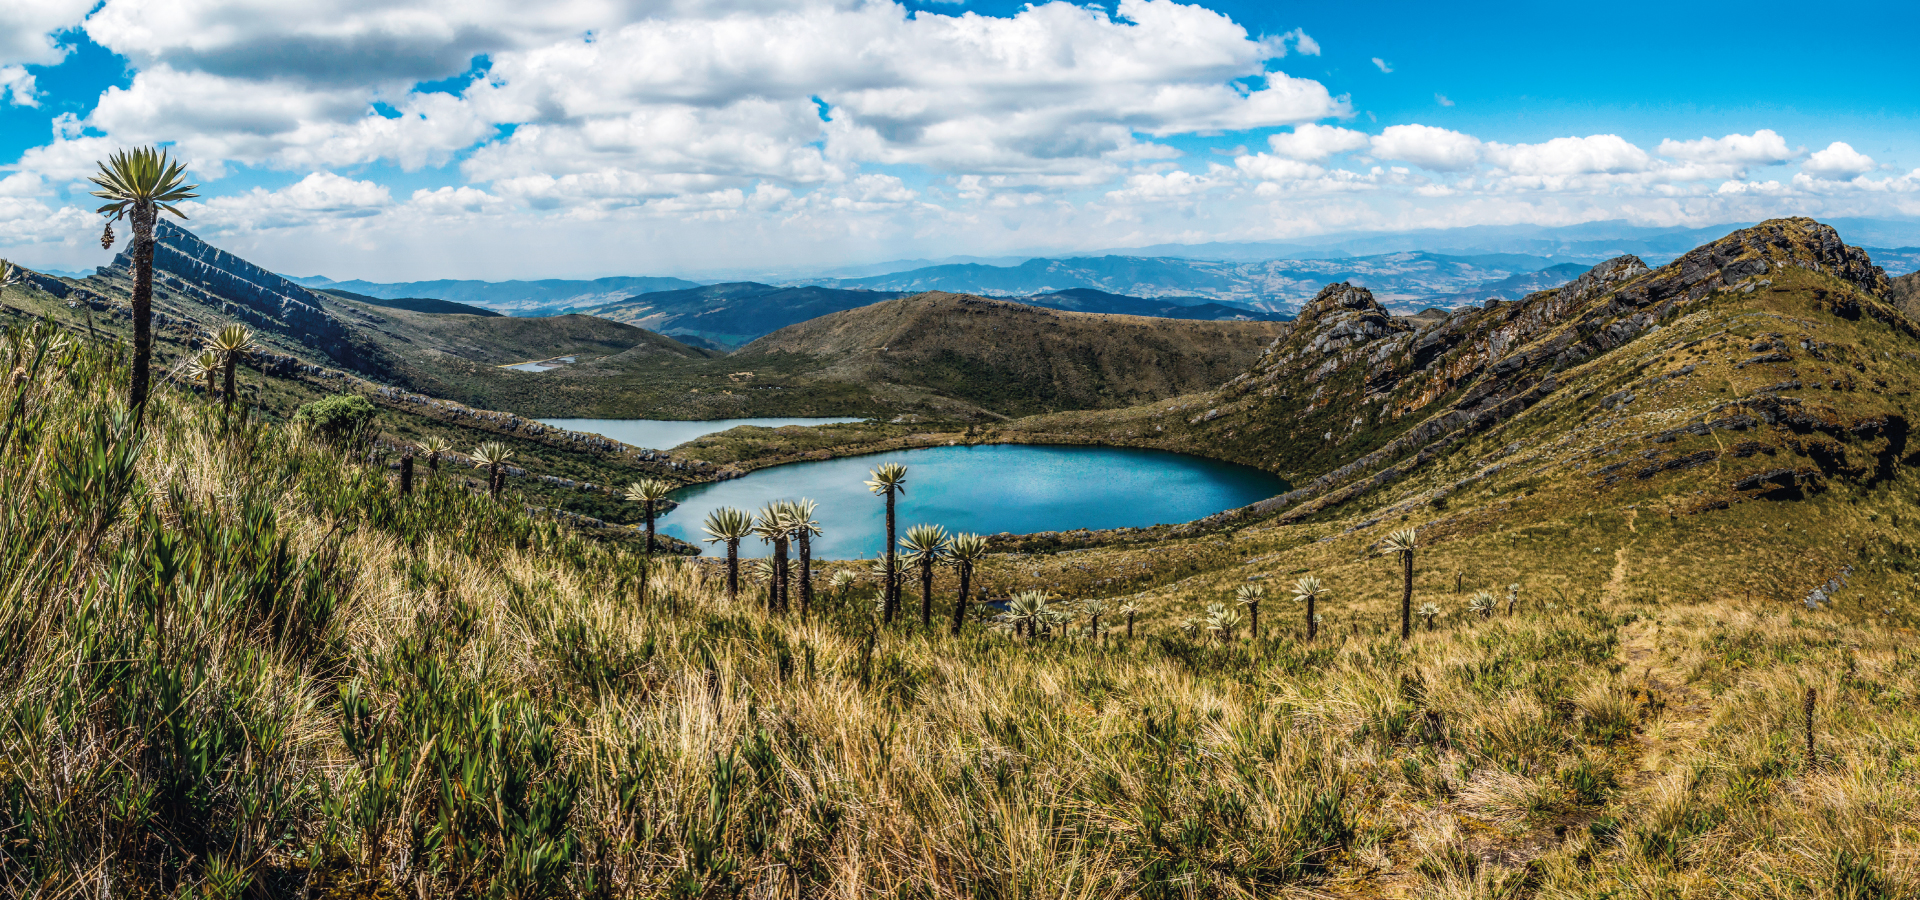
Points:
[[662, 434], [986, 489]]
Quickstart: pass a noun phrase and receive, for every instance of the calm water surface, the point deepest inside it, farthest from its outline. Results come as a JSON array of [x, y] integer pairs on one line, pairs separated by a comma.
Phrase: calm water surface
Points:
[[540, 365], [659, 434], [985, 489]]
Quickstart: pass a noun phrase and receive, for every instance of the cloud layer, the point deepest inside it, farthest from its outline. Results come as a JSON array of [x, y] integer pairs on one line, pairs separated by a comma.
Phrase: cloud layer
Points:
[[675, 134]]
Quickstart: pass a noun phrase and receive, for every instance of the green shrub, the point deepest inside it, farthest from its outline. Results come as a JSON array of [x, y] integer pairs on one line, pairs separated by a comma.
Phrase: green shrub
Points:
[[337, 418]]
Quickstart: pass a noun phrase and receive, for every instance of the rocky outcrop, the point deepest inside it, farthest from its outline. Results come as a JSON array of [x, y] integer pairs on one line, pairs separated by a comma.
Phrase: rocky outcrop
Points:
[[231, 286]]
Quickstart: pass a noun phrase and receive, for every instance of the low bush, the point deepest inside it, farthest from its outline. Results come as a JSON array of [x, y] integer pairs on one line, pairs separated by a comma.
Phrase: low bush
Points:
[[338, 419]]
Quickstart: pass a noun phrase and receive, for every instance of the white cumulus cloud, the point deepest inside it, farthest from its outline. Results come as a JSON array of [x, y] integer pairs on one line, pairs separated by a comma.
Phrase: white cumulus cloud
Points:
[[454, 200], [1172, 185], [711, 131], [1428, 147], [1761, 148], [1302, 43], [642, 99], [319, 196], [1838, 162], [1311, 143], [17, 86], [29, 29], [213, 121], [1596, 154]]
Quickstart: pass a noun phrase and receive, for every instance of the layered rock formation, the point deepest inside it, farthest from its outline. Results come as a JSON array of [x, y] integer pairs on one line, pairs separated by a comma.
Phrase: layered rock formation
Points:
[[233, 287]]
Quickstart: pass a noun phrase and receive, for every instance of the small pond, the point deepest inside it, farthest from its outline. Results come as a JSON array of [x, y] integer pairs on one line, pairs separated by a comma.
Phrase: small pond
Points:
[[661, 434], [986, 489], [541, 365]]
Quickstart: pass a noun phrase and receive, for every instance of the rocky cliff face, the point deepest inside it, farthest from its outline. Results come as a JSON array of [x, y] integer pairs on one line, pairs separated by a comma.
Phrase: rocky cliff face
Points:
[[230, 286], [1904, 292]]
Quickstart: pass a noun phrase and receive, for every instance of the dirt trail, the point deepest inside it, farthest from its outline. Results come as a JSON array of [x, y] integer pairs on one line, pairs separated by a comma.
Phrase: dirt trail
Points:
[[1618, 579], [1674, 713]]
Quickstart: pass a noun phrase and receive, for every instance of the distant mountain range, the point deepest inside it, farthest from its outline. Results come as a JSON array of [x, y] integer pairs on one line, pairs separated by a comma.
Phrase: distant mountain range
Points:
[[937, 355], [820, 350], [733, 313], [1089, 300], [1273, 285], [1444, 268], [1587, 242], [1904, 260], [513, 297], [1512, 287]]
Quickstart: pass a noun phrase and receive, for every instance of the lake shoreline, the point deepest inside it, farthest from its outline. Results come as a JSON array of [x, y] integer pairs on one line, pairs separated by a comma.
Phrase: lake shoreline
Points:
[[1014, 491], [942, 434], [663, 435]]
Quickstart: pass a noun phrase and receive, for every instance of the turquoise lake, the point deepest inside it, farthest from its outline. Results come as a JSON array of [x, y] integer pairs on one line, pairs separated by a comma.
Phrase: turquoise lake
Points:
[[661, 434], [986, 489]]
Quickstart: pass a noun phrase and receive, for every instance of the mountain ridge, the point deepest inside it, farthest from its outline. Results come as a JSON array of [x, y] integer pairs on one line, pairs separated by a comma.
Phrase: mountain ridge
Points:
[[1273, 285], [1382, 400]]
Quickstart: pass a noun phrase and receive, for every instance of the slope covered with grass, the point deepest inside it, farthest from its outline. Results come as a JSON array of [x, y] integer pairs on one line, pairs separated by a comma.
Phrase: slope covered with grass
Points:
[[503, 340], [1012, 359], [239, 663]]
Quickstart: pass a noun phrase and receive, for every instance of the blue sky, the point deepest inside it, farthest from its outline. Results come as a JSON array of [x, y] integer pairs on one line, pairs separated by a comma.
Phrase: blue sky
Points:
[[491, 139]]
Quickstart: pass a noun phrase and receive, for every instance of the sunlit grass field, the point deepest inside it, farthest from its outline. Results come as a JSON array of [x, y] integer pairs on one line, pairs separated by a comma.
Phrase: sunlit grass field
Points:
[[239, 663]]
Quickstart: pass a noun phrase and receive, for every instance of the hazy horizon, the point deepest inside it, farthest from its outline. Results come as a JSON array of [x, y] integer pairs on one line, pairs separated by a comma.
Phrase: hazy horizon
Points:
[[420, 139]]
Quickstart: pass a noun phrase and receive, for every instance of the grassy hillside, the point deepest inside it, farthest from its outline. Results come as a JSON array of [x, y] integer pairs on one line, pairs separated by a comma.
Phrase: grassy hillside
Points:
[[553, 469], [414, 304], [501, 340], [736, 312], [240, 664], [1014, 359], [623, 371], [1039, 360]]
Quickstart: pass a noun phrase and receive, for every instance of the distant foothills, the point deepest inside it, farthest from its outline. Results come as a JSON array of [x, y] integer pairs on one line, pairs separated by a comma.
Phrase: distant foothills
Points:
[[1262, 281]]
